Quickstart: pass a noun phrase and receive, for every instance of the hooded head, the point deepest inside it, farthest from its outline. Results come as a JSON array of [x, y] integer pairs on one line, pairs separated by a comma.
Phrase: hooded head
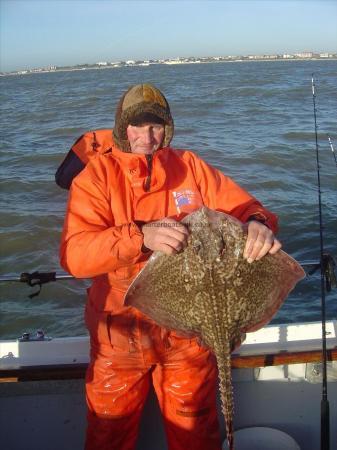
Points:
[[142, 103]]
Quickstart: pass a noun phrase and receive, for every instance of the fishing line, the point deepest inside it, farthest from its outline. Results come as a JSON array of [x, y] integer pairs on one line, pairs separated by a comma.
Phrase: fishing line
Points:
[[332, 149], [325, 415]]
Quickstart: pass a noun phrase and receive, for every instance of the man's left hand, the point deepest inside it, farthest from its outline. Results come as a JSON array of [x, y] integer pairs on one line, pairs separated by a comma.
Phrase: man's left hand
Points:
[[260, 241]]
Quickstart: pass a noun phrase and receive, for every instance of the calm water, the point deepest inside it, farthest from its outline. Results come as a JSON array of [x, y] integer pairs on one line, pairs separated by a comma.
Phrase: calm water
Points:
[[252, 120]]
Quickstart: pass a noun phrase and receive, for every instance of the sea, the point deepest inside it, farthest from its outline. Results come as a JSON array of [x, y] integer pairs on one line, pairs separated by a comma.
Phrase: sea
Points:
[[253, 120]]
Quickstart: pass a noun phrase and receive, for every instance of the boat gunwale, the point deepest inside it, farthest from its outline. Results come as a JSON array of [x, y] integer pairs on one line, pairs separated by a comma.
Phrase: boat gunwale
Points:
[[77, 370], [297, 344]]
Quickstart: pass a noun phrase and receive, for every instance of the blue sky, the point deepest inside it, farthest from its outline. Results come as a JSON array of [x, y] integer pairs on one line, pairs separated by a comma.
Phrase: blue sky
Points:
[[40, 33]]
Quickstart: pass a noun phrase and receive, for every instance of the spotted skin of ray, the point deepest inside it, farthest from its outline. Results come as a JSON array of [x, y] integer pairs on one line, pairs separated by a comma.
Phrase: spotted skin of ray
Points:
[[209, 290]]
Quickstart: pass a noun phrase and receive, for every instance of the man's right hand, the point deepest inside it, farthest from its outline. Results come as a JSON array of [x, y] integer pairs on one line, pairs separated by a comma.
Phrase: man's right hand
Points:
[[165, 235]]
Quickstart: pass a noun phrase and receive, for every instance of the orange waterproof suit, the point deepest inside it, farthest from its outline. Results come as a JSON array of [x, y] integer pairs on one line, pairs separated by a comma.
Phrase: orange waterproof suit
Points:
[[102, 240]]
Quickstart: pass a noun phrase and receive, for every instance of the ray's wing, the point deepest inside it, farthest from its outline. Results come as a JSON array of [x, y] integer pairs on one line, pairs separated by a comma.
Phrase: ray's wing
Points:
[[274, 277], [255, 291], [161, 291]]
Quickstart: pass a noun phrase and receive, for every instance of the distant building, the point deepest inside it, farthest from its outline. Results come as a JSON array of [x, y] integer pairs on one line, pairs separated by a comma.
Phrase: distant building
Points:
[[324, 55], [304, 55], [173, 61], [103, 63]]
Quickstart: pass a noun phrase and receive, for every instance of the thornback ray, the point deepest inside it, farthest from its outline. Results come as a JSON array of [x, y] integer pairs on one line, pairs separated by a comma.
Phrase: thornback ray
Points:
[[209, 290]]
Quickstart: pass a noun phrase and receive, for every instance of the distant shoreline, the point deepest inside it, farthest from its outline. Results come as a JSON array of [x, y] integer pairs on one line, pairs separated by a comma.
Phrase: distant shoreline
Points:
[[176, 62]]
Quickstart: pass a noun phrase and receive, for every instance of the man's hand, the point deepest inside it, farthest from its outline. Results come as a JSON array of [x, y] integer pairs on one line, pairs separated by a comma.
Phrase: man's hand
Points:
[[260, 241], [166, 235]]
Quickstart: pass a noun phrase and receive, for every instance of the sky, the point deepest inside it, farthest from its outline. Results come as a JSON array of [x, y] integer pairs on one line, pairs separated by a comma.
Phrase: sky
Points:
[[41, 33]]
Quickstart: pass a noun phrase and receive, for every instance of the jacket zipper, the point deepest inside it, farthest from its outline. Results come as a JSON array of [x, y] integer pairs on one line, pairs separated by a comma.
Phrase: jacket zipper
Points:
[[149, 159], [108, 327]]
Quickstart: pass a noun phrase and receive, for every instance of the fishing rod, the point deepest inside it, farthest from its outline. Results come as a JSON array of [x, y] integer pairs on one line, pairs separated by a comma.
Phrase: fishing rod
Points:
[[39, 278], [46, 277], [332, 149], [36, 279], [325, 413]]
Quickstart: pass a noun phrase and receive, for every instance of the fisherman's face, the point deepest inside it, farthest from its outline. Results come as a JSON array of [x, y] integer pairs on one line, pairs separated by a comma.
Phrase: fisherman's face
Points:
[[145, 138]]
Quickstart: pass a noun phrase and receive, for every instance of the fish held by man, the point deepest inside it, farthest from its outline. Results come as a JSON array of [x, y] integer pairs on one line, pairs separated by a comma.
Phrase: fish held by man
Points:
[[209, 290]]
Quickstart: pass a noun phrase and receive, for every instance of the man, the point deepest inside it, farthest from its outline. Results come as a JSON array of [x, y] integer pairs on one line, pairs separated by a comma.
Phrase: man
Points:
[[125, 204]]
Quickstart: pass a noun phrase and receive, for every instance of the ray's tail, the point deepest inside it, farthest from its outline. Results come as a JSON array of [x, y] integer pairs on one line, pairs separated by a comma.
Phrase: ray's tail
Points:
[[223, 357]]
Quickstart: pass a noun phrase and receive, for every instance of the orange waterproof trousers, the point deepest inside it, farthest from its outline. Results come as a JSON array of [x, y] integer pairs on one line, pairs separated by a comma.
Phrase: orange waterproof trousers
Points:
[[128, 353]]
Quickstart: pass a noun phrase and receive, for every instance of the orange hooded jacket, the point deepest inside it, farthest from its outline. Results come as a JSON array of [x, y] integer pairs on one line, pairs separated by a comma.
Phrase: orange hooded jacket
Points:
[[101, 239]]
